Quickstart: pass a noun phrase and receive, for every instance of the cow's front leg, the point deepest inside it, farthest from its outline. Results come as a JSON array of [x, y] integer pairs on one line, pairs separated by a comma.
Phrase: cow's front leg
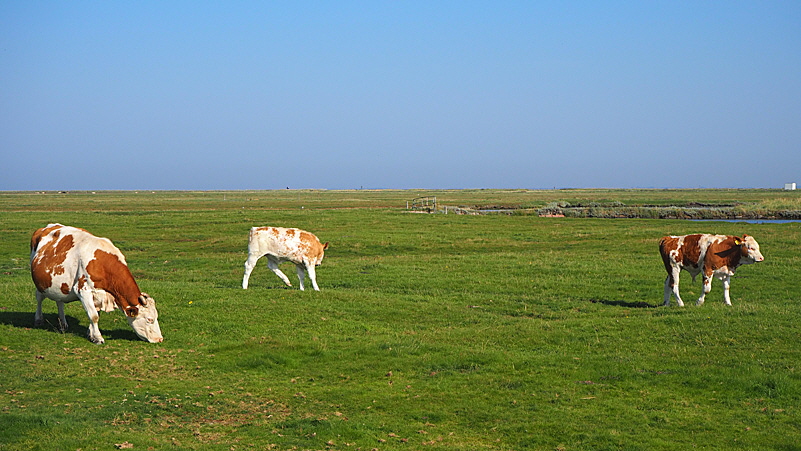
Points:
[[88, 302], [726, 282], [273, 265], [707, 288], [62, 319], [301, 276]]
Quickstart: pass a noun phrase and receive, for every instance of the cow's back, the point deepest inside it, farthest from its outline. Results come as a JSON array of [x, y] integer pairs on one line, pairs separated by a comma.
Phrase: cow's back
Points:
[[687, 251], [276, 241], [59, 255]]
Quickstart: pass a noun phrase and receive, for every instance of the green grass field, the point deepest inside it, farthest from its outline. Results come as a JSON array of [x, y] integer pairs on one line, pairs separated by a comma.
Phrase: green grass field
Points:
[[498, 332]]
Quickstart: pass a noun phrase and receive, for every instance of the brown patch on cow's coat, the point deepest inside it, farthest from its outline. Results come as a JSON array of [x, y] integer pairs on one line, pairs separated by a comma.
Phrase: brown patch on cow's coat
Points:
[[112, 275], [724, 254], [690, 252], [666, 246], [41, 233], [743, 246], [687, 254], [270, 230], [311, 246], [49, 259], [65, 288]]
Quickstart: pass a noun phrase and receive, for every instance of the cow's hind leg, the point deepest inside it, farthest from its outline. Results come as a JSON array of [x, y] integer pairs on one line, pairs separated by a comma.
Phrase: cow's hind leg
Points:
[[273, 265], [301, 276], [672, 287], [62, 319], [38, 318], [250, 263], [668, 291]]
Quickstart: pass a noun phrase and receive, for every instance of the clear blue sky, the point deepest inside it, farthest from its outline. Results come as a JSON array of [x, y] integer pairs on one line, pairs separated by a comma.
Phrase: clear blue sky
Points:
[[399, 94]]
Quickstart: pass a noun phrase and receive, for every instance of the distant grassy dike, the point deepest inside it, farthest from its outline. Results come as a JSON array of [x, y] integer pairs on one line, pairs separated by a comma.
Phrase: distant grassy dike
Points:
[[430, 332]]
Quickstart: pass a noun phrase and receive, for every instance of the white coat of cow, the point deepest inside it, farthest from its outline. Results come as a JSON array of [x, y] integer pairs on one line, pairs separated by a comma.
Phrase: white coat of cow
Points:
[[280, 245], [69, 264]]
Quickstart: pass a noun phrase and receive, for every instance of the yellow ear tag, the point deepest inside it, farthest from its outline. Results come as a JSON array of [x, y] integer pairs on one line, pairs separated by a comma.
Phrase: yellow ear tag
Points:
[[737, 242]]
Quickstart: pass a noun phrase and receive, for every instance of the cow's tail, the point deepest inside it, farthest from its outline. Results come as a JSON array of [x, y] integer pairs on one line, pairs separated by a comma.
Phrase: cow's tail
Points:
[[36, 238], [252, 237], [664, 253]]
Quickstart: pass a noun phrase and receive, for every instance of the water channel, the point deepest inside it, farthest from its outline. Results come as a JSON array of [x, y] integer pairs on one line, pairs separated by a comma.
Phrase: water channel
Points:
[[751, 221]]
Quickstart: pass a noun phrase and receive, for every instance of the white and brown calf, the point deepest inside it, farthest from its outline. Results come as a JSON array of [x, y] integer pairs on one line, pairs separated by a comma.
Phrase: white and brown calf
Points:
[[280, 245], [710, 255], [69, 264]]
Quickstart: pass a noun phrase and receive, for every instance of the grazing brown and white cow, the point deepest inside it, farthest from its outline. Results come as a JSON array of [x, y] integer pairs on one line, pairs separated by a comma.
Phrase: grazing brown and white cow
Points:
[[280, 245], [69, 264], [713, 255]]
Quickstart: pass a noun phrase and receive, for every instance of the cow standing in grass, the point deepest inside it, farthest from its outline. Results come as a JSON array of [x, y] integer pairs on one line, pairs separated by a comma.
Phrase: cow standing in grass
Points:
[[69, 264], [280, 245], [713, 255]]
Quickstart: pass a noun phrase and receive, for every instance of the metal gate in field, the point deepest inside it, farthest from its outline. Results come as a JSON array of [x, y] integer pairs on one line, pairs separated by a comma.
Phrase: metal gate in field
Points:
[[426, 203]]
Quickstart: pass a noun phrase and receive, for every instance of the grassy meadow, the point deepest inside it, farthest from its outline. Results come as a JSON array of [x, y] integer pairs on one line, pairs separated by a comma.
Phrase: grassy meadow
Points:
[[432, 331]]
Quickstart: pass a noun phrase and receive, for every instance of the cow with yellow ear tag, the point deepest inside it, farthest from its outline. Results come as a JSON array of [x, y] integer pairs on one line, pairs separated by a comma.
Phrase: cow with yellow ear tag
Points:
[[711, 255]]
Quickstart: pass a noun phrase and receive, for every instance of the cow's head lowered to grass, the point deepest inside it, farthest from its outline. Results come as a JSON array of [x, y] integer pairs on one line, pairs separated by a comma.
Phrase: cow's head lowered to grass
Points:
[[144, 319]]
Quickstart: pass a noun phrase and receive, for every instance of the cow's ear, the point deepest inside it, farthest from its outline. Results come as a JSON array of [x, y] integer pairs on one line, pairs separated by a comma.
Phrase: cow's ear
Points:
[[325, 246], [131, 311], [143, 297], [737, 241]]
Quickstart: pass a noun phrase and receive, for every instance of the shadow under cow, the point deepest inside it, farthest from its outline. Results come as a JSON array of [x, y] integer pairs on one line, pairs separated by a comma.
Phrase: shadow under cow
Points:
[[24, 320], [626, 304]]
